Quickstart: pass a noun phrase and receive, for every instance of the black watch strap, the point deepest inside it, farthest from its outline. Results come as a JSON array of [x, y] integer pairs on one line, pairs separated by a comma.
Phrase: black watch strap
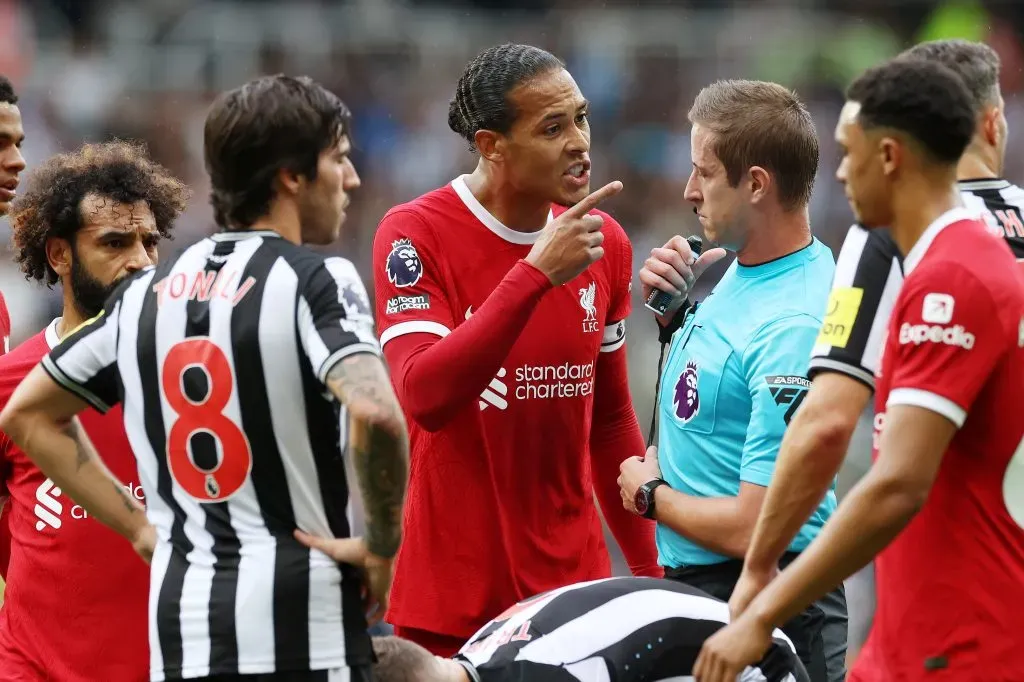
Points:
[[650, 487]]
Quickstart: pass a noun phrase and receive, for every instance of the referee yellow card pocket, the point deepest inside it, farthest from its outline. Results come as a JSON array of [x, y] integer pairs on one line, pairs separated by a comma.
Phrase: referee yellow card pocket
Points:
[[843, 304]]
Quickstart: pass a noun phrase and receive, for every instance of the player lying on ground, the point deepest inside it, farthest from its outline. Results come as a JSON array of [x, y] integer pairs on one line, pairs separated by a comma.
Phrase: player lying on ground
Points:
[[624, 629]]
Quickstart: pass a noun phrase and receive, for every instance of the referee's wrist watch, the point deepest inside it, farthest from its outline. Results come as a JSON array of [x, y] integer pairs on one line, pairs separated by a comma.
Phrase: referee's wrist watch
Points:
[[643, 500]]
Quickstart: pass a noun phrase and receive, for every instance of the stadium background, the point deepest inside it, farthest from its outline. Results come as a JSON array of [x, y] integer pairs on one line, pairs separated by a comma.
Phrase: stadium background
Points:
[[87, 70]]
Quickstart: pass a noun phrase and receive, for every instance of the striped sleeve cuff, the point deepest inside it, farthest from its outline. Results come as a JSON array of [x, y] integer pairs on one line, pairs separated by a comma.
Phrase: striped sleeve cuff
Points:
[[820, 364], [69, 384], [929, 401], [342, 353]]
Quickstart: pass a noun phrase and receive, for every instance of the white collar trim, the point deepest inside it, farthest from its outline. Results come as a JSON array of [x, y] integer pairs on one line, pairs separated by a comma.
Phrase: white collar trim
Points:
[[917, 251], [489, 221], [52, 338]]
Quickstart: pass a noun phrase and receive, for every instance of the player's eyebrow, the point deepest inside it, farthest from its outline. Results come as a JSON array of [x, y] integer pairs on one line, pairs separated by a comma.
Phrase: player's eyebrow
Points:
[[554, 115]]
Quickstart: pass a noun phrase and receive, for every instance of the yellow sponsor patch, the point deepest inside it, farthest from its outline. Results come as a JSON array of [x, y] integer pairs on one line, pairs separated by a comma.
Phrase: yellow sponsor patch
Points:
[[843, 304]]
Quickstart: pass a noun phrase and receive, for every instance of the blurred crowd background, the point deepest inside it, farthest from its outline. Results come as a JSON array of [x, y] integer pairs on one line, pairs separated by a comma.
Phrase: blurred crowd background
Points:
[[88, 70]]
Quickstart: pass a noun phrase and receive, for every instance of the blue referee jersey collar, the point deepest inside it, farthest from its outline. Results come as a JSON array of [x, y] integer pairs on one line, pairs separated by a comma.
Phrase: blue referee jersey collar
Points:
[[778, 264]]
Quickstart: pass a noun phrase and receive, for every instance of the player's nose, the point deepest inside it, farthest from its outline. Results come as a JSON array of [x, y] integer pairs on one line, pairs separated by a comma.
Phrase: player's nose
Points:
[[692, 192]]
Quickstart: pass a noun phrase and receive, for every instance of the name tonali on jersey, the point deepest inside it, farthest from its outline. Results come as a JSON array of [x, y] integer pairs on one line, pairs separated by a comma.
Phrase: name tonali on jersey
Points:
[[203, 286]]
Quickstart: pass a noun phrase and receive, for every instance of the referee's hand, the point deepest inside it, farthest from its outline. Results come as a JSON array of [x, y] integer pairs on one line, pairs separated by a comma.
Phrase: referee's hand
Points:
[[377, 570], [674, 269]]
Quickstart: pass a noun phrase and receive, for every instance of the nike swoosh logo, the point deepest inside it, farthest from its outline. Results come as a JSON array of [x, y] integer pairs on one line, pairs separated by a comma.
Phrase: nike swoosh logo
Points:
[[469, 312]]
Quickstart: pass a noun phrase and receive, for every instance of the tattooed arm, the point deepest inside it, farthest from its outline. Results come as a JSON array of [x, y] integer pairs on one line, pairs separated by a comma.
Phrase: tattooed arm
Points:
[[40, 419], [379, 444]]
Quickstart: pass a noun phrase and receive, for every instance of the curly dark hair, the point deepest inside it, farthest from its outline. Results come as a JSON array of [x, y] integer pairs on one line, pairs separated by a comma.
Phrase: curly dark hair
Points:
[[118, 170]]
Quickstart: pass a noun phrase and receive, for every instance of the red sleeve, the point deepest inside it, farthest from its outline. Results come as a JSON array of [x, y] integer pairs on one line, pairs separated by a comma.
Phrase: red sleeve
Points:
[[615, 435], [5, 504], [950, 338], [5, 326], [436, 370]]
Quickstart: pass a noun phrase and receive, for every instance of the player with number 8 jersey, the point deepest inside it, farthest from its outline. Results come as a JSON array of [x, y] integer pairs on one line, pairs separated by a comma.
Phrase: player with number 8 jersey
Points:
[[236, 364]]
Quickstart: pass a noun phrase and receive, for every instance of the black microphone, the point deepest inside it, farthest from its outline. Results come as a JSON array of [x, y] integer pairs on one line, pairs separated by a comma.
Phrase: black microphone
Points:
[[659, 301]]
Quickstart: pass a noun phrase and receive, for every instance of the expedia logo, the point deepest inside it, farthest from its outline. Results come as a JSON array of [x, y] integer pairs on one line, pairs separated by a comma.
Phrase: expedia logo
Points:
[[922, 333]]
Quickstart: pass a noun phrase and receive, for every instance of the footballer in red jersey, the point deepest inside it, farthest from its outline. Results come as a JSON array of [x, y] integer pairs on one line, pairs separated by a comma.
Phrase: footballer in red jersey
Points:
[[76, 600], [501, 315], [12, 163], [943, 504]]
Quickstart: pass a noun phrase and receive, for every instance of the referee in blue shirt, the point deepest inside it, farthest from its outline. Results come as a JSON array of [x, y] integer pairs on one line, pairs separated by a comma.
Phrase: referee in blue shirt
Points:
[[737, 364]]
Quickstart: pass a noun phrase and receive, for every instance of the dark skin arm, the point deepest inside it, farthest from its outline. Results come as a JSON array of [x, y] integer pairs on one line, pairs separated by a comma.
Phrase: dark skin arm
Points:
[[39, 418]]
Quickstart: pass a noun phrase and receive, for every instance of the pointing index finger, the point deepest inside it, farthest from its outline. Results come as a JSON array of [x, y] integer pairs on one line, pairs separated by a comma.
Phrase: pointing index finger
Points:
[[590, 201]]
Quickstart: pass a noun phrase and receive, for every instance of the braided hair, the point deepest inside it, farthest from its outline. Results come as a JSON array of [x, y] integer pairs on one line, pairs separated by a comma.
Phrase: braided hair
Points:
[[481, 97]]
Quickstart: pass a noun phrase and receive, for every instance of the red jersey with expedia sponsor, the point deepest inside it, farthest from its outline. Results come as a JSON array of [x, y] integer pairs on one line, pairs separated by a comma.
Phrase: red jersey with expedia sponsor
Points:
[[76, 599], [951, 586], [500, 503]]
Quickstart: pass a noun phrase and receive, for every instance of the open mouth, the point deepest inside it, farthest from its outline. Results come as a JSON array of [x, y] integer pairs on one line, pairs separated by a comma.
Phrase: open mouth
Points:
[[578, 173]]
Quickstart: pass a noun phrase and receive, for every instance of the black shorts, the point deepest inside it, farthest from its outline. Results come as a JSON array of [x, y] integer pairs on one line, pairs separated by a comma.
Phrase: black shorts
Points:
[[360, 674]]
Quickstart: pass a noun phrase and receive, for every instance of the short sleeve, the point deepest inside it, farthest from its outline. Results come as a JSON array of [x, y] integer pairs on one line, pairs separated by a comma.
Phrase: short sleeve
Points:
[[407, 278], [949, 338], [85, 361], [621, 285], [864, 290], [335, 320], [775, 368]]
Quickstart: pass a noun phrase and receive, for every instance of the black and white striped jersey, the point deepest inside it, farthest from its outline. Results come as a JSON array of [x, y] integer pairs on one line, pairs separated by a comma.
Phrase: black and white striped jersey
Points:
[[219, 358], [869, 274], [622, 629]]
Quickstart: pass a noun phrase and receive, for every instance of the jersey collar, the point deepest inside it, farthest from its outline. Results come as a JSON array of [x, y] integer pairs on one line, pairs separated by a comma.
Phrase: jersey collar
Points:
[[917, 251], [50, 334], [489, 221], [242, 234], [984, 183]]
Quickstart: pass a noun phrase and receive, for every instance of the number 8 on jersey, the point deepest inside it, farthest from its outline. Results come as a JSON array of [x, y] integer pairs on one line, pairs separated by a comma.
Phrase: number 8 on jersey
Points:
[[202, 479]]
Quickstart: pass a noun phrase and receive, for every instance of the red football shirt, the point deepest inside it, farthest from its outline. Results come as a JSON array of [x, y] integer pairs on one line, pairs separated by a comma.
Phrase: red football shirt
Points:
[[75, 609], [951, 585], [5, 527], [500, 503]]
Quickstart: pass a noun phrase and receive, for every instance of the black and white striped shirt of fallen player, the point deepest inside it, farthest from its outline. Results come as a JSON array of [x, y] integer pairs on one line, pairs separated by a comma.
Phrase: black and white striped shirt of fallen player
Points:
[[623, 629], [246, 368], [869, 275]]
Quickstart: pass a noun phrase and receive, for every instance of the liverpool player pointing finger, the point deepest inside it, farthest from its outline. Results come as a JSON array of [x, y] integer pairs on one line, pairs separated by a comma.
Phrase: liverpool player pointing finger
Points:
[[511, 434], [943, 502]]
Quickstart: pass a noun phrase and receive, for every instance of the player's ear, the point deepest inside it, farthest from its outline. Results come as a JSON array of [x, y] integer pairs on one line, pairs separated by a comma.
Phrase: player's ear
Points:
[[288, 181], [891, 151], [58, 255], [491, 145], [760, 184], [990, 124]]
